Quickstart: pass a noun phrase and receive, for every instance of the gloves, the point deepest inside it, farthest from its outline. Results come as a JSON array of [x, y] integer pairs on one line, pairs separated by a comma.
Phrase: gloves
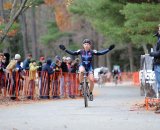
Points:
[[62, 47], [111, 47]]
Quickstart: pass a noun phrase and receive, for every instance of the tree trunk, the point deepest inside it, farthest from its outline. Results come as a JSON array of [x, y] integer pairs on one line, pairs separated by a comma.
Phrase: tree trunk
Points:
[[24, 33], [101, 58], [108, 56], [13, 17], [33, 34], [95, 46], [1, 9], [130, 54], [145, 48]]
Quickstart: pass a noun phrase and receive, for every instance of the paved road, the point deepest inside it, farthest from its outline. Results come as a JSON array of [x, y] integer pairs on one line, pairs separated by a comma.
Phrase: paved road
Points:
[[110, 110]]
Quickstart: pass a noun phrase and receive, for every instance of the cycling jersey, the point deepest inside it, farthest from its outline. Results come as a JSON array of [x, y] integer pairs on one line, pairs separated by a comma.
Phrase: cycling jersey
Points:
[[87, 56]]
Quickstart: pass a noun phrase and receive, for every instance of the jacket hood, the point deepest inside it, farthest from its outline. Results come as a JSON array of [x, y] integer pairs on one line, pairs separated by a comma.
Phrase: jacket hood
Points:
[[49, 61]]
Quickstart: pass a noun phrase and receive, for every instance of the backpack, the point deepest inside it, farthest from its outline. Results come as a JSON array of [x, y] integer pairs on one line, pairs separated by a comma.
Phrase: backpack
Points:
[[11, 65]]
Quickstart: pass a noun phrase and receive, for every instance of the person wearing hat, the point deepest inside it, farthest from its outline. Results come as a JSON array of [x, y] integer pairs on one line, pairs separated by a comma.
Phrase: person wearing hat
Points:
[[57, 63], [156, 61], [12, 68], [18, 65], [42, 61], [86, 61]]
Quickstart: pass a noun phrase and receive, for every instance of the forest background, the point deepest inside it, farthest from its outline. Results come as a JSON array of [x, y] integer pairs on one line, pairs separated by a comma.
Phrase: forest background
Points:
[[39, 26]]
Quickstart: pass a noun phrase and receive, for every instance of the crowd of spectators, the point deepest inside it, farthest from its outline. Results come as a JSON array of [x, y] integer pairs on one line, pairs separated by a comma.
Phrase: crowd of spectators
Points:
[[34, 69]]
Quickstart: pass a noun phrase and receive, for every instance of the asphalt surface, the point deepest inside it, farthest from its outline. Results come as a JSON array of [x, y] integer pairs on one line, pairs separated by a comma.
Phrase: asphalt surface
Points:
[[113, 108]]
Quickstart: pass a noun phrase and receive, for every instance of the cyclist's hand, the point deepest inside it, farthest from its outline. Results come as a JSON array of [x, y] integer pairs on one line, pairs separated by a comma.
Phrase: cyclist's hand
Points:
[[111, 47], [62, 47]]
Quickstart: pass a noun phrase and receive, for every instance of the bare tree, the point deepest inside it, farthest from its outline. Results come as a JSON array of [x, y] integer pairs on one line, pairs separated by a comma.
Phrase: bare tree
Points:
[[33, 33], [24, 33], [130, 54], [13, 16], [18, 6]]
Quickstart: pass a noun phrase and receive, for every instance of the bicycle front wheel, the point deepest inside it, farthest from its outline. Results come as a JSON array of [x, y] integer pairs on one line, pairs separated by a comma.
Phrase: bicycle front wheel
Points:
[[85, 94]]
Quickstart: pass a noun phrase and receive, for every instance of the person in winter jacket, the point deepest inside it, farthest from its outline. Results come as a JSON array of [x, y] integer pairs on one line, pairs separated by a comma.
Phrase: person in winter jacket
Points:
[[156, 61]]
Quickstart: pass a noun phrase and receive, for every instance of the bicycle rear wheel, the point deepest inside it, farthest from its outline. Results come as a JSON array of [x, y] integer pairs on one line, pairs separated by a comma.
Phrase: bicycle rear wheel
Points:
[[116, 79]]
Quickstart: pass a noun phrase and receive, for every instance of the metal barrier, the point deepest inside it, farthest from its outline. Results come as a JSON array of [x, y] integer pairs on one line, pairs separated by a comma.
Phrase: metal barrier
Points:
[[127, 76], [136, 81], [18, 85]]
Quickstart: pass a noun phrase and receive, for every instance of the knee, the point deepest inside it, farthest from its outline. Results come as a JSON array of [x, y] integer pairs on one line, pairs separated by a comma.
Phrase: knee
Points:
[[81, 70], [92, 80]]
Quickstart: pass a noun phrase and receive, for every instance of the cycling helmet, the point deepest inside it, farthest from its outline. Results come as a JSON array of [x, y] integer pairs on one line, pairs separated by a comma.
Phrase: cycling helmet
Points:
[[87, 41]]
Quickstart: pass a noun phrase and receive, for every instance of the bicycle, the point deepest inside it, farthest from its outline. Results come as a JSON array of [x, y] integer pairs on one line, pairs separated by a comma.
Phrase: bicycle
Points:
[[115, 79], [85, 89]]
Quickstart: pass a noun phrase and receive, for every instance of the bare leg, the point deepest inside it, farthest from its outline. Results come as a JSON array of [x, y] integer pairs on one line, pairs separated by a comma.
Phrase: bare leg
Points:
[[91, 82], [81, 71]]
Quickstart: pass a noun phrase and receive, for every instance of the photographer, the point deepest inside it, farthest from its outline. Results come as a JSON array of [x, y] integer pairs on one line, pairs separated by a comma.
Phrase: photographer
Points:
[[156, 62]]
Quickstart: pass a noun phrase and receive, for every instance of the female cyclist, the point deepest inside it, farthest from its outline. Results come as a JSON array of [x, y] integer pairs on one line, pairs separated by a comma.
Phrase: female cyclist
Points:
[[86, 61]]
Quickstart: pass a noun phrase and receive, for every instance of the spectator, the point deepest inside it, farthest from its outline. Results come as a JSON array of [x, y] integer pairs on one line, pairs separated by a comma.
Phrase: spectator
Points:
[[7, 57], [12, 68], [32, 77], [45, 79], [69, 62], [58, 62], [57, 77], [27, 61], [64, 76], [2, 65], [64, 65], [2, 74], [42, 60], [18, 65], [156, 62], [75, 65], [47, 67], [41, 63]]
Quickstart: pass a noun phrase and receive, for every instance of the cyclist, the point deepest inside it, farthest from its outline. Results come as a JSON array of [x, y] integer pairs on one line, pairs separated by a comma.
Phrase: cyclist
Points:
[[116, 74], [86, 61]]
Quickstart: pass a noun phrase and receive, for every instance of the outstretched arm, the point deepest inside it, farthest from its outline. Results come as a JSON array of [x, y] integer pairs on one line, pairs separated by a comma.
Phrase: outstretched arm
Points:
[[95, 52], [103, 51], [62, 47], [73, 52], [155, 54]]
